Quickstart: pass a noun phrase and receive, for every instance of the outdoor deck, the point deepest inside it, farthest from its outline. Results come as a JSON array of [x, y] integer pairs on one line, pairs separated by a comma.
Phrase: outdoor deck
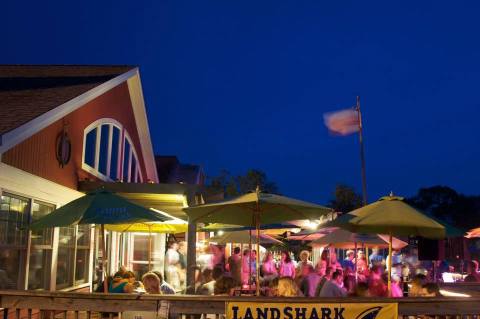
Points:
[[35, 304]]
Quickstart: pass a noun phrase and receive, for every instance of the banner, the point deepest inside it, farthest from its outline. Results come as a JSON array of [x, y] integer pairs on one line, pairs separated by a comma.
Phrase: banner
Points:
[[283, 310]]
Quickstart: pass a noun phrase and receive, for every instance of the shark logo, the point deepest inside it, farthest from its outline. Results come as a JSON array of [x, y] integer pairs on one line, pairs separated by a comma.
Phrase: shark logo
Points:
[[370, 313]]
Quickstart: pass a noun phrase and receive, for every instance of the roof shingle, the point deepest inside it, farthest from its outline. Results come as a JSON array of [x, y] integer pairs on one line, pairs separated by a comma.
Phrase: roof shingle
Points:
[[28, 91]]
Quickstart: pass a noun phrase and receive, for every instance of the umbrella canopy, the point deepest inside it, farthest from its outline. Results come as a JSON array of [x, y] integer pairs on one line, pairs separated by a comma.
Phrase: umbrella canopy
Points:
[[390, 215], [255, 209], [344, 239], [473, 233], [98, 207], [269, 208], [243, 237]]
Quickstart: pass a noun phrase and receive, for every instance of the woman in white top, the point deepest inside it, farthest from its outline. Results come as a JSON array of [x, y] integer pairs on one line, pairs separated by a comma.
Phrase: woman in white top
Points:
[[172, 266], [287, 267], [269, 268]]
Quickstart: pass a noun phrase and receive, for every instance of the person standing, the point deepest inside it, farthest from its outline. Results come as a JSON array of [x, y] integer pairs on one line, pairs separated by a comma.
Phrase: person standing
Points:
[[375, 259], [348, 262], [246, 267], [172, 266], [287, 268], [235, 265], [333, 287], [269, 268], [310, 281]]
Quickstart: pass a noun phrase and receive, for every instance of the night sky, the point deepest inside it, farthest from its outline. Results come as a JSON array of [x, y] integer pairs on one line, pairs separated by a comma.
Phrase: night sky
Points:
[[245, 84]]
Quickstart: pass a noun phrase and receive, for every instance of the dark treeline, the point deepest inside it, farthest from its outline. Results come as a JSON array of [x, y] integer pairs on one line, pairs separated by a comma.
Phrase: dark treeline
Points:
[[441, 202]]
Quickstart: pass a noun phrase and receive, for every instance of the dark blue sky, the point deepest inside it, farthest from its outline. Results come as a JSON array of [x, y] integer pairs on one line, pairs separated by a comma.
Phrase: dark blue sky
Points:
[[244, 84]]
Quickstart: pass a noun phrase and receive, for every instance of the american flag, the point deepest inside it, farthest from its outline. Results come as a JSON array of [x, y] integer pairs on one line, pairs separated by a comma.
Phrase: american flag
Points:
[[342, 122]]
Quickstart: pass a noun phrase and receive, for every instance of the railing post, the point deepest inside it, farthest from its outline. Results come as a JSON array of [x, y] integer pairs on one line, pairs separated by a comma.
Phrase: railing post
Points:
[[191, 255]]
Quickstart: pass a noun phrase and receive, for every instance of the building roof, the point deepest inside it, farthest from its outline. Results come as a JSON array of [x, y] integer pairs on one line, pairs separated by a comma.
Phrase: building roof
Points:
[[187, 174], [165, 165], [171, 171], [28, 91]]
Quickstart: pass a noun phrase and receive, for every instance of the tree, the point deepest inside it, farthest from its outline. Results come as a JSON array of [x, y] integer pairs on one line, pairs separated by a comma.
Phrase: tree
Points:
[[440, 201], [223, 183], [252, 179], [232, 186], [445, 203], [346, 199]]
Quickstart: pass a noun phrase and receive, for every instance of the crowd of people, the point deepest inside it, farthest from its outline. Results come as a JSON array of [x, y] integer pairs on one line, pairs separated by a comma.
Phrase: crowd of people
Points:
[[328, 278], [281, 275]]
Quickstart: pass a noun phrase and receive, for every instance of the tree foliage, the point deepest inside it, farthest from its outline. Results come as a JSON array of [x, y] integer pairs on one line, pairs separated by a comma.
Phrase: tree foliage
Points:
[[346, 199], [231, 185], [445, 203]]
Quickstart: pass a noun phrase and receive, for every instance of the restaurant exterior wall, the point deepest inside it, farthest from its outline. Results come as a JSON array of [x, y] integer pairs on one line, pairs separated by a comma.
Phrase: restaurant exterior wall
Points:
[[34, 263], [31, 177], [36, 154]]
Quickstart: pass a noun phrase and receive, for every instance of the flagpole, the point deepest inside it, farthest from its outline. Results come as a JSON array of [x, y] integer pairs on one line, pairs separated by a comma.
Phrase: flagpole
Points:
[[362, 152]]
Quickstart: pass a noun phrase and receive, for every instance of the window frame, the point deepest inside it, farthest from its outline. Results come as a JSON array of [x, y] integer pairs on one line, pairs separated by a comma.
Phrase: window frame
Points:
[[123, 137], [138, 178], [48, 249]]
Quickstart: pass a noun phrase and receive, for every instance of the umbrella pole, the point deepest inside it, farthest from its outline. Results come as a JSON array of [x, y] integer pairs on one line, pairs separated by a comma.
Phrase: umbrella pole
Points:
[[249, 258], [257, 279], [356, 262], [390, 265], [366, 256], [104, 255], [149, 248]]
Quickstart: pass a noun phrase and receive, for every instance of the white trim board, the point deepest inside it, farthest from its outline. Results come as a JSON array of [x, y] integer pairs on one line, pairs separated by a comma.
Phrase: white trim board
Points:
[[140, 113], [23, 183]]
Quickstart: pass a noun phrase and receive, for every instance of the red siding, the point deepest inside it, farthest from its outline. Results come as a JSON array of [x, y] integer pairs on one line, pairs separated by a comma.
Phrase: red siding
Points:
[[36, 155]]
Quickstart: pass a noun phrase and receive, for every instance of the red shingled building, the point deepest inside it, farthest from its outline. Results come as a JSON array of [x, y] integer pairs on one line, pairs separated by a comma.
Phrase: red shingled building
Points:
[[64, 130]]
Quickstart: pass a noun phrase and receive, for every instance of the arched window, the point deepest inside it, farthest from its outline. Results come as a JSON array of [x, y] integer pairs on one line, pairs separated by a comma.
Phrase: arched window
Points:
[[108, 152]]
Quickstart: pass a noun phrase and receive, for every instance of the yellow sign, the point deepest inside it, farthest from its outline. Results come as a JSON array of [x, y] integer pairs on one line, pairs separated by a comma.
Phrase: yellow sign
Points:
[[250, 310]]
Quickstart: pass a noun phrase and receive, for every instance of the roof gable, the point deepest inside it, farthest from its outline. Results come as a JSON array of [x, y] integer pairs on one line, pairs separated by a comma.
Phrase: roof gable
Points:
[[27, 91], [37, 96]]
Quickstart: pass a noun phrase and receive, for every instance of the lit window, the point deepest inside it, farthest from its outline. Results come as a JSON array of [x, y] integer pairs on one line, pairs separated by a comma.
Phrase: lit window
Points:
[[109, 153]]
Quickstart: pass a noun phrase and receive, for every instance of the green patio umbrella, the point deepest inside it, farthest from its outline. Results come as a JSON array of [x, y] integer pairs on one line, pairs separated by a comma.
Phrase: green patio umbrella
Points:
[[99, 207], [254, 209], [390, 215]]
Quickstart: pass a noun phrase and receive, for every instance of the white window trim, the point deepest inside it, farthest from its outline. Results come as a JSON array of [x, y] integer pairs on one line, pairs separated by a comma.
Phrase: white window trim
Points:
[[97, 125], [132, 153]]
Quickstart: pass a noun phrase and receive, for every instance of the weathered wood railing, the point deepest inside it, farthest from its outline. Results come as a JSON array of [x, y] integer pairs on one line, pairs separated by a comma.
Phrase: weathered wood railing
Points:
[[43, 305]]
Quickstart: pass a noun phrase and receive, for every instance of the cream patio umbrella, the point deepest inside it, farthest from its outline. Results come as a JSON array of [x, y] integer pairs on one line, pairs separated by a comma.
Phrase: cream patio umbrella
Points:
[[243, 237], [344, 239], [254, 209], [390, 215]]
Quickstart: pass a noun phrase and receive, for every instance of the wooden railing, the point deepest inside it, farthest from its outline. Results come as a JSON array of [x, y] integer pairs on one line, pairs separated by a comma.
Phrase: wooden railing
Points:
[[43, 305]]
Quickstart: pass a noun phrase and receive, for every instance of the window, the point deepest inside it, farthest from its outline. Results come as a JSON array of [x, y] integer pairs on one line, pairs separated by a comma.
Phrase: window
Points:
[[139, 252], [82, 258], [73, 259], [131, 169], [109, 153], [14, 214], [41, 250], [66, 254], [26, 256]]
